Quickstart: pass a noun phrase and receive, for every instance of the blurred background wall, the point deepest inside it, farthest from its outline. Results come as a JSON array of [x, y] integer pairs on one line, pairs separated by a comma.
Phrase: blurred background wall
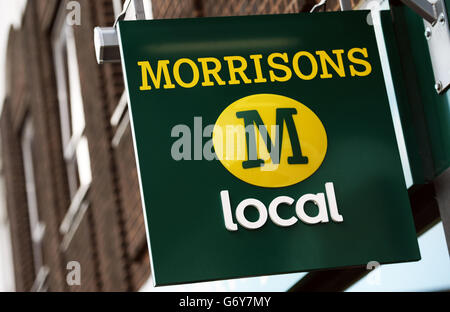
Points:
[[10, 16]]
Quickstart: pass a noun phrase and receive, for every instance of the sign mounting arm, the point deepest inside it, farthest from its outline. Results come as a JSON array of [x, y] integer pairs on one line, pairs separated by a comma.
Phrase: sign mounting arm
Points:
[[424, 8], [105, 38]]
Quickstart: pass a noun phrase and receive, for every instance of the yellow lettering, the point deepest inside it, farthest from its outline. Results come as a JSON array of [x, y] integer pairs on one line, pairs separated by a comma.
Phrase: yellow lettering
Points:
[[237, 70], [287, 70], [207, 72], [195, 71], [147, 70], [259, 76], [280, 68], [314, 66], [354, 60], [325, 58]]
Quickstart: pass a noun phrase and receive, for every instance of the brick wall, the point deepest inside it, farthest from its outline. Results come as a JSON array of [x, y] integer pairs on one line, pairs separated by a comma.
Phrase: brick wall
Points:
[[98, 242], [110, 241], [26, 99], [18, 216]]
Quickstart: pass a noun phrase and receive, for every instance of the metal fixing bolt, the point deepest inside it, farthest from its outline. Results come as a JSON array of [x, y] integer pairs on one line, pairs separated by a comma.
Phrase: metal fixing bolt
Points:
[[441, 18], [428, 33], [438, 86]]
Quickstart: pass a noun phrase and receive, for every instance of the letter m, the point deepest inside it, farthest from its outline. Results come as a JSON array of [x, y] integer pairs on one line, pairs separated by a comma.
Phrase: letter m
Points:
[[146, 71], [253, 120]]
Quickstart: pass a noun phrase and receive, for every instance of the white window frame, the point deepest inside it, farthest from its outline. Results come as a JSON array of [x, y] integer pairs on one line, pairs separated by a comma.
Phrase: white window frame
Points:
[[74, 140], [37, 228], [120, 119], [40, 284]]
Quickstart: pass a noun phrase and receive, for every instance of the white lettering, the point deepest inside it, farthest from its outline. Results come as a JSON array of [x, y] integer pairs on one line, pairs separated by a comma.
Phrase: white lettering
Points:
[[319, 200]]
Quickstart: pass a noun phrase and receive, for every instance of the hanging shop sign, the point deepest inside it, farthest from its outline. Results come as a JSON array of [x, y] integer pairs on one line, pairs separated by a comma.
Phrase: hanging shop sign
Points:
[[264, 145]]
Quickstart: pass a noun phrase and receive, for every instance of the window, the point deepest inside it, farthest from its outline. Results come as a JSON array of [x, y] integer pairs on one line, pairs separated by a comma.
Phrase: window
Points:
[[7, 282], [74, 141], [37, 228]]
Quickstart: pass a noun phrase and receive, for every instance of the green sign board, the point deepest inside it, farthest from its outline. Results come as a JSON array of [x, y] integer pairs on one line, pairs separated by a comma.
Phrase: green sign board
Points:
[[265, 145]]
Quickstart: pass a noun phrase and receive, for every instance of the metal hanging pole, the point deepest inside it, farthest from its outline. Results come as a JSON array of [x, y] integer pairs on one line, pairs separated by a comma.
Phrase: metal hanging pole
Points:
[[139, 9], [346, 5]]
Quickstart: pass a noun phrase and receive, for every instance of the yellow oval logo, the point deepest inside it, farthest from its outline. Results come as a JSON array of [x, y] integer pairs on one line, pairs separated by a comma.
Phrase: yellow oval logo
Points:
[[270, 140]]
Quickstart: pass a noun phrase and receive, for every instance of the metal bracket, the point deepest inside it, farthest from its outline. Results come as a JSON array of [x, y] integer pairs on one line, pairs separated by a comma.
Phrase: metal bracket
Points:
[[423, 8], [106, 40], [106, 45], [438, 38]]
